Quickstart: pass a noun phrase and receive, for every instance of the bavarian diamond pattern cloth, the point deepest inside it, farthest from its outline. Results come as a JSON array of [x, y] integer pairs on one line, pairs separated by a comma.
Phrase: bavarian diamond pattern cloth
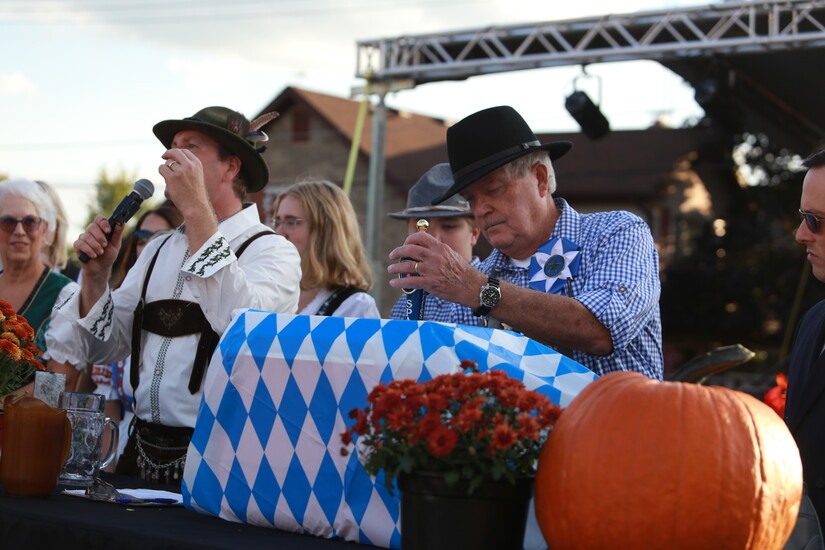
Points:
[[266, 448]]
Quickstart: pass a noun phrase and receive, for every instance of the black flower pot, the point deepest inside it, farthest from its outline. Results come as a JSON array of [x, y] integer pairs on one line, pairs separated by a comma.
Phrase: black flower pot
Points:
[[435, 516]]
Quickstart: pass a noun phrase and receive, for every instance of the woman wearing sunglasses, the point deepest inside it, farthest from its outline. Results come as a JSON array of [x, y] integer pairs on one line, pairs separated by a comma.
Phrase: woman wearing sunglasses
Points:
[[26, 282]]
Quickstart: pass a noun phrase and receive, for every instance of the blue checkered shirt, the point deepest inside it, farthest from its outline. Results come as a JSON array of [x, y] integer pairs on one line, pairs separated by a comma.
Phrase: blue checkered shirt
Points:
[[618, 281], [437, 309]]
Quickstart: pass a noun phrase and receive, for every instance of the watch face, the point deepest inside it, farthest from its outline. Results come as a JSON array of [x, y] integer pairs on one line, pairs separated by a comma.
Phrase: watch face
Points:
[[490, 295]]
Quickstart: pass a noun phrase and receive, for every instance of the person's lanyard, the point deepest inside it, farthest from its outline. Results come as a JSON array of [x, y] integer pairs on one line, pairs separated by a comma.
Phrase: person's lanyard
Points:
[[414, 305]]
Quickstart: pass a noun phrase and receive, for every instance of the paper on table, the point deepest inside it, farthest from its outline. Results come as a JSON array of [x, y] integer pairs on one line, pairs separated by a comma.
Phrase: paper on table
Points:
[[48, 386]]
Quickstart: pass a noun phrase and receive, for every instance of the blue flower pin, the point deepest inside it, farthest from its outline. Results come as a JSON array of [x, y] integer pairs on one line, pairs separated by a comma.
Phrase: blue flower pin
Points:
[[553, 263]]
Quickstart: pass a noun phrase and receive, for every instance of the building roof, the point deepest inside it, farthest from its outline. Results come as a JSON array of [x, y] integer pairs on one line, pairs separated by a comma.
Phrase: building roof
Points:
[[623, 165], [410, 138]]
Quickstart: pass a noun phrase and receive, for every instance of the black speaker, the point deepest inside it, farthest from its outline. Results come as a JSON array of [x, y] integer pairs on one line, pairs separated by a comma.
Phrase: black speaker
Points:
[[587, 114]]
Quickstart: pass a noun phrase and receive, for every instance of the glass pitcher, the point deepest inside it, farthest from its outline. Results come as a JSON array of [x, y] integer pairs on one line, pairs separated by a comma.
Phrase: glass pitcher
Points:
[[36, 441]]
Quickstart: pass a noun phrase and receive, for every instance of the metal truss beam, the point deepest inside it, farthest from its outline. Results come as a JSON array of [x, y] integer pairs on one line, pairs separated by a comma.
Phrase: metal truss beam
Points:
[[727, 28]]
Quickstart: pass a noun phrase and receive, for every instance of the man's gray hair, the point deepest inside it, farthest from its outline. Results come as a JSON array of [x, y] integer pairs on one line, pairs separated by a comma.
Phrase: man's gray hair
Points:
[[522, 165]]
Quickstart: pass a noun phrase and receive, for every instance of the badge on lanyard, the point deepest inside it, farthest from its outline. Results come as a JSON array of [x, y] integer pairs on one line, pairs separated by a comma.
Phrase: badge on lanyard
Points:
[[553, 263]]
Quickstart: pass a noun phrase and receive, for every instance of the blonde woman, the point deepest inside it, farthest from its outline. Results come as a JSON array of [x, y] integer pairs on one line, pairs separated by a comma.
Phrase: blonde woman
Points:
[[318, 218]]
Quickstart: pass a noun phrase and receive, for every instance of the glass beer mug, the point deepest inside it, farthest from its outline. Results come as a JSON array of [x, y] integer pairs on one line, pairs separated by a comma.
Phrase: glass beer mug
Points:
[[88, 420]]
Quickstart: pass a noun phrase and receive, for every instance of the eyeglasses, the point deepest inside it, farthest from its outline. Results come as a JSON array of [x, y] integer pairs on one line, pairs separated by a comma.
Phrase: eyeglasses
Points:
[[287, 225], [30, 224], [811, 220]]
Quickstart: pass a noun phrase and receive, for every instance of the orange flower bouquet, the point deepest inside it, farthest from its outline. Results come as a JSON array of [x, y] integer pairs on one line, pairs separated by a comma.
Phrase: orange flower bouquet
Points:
[[17, 350], [471, 426]]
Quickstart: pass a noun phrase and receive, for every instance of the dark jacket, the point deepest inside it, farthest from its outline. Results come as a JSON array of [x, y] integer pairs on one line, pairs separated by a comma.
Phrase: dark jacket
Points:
[[805, 405]]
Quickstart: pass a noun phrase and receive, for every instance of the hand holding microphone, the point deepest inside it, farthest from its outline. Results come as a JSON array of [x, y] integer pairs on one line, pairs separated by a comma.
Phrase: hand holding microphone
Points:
[[127, 208]]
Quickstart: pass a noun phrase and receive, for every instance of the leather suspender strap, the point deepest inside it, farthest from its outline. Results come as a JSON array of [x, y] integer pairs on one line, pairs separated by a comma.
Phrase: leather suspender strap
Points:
[[250, 240], [167, 317], [209, 338], [137, 322]]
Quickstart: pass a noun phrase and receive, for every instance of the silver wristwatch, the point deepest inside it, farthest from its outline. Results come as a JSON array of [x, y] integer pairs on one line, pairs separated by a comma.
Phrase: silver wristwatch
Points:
[[489, 297]]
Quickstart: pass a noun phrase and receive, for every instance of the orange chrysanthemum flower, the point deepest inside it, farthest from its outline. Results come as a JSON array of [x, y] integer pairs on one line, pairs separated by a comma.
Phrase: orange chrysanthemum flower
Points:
[[449, 423], [18, 353], [7, 347], [441, 441]]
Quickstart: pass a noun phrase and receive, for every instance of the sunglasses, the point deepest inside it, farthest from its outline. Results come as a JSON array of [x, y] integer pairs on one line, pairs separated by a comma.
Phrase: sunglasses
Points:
[[143, 234], [30, 224], [811, 220]]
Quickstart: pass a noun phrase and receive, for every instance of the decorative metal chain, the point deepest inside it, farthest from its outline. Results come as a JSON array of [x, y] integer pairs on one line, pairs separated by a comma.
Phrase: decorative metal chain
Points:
[[151, 470]]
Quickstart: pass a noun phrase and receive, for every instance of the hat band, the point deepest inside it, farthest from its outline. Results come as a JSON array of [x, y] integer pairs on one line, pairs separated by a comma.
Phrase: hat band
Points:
[[498, 156], [436, 208]]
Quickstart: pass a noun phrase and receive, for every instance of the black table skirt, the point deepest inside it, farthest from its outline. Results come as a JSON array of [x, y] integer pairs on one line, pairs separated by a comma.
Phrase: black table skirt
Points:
[[65, 522]]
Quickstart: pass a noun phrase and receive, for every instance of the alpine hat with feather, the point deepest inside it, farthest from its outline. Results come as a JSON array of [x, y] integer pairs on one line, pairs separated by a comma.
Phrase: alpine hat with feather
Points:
[[486, 141], [232, 130]]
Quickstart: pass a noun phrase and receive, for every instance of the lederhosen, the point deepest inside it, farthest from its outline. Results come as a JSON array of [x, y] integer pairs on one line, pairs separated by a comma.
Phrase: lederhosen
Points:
[[155, 450]]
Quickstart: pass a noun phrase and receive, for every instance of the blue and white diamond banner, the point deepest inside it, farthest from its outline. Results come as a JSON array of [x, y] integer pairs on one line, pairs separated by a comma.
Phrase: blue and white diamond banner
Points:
[[267, 449]]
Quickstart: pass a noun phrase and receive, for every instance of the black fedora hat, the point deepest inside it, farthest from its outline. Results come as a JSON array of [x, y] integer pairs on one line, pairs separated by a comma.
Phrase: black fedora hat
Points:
[[232, 130], [432, 184], [489, 139]]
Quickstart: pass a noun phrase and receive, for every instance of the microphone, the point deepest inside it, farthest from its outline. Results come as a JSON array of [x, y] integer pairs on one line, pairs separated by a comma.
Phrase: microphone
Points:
[[127, 208]]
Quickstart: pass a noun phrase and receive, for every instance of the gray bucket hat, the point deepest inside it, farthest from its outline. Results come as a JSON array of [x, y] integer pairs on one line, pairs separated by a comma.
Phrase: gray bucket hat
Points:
[[434, 183]]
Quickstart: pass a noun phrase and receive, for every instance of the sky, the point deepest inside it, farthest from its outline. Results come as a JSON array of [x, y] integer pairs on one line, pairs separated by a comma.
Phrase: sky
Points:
[[82, 82]]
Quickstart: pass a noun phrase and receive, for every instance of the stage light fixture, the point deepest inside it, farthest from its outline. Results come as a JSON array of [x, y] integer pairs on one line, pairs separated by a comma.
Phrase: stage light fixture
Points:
[[590, 118]]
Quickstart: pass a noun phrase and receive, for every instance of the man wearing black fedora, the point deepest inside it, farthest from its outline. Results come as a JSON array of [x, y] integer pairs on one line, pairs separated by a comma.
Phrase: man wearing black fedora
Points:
[[586, 284], [178, 298], [452, 223]]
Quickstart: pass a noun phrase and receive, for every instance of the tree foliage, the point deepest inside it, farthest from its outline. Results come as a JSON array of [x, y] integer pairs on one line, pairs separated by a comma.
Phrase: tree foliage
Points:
[[109, 191], [744, 279]]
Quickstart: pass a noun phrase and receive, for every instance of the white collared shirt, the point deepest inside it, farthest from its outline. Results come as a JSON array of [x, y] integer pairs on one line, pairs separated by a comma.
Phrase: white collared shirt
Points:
[[266, 277]]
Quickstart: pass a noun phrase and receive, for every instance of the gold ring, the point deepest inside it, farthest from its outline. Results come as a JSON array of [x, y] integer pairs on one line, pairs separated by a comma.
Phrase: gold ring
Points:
[[170, 163], [416, 268]]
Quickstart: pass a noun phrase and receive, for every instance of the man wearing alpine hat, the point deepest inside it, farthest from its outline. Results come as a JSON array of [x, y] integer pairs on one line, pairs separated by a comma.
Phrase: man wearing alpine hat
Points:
[[586, 284], [178, 298]]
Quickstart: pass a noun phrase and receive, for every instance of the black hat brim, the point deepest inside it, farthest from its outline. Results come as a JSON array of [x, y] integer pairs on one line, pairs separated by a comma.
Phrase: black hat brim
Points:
[[556, 149], [252, 163]]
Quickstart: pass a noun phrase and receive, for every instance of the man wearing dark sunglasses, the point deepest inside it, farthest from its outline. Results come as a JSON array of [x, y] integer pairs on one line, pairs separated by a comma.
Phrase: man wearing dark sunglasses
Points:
[[805, 404]]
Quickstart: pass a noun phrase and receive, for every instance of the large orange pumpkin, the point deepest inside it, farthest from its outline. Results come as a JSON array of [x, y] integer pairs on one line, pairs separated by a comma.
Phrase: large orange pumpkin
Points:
[[640, 464]]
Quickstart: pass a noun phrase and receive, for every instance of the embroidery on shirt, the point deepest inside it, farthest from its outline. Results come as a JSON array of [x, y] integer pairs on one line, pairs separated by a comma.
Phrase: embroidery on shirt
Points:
[[64, 302], [160, 364], [105, 318], [214, 253]]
